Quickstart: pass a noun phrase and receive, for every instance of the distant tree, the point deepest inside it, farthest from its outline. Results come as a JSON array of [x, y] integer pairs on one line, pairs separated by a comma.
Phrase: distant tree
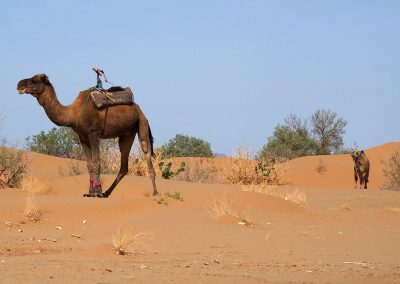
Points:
[[328, 131], [60, 142], [186, 146], [290, 140]]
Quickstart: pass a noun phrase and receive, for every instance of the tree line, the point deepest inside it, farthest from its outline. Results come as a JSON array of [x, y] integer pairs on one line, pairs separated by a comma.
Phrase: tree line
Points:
[[320, 134]]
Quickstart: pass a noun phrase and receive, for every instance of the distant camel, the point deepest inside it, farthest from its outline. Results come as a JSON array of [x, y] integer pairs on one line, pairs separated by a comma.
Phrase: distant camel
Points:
[[361, 168], [92, 124]]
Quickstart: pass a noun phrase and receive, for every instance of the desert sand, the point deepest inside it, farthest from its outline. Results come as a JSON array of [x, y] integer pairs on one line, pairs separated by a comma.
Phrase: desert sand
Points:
[[341, 235]]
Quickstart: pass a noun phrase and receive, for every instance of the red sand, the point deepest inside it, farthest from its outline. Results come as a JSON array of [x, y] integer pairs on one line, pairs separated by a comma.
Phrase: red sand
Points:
[[343, 235]]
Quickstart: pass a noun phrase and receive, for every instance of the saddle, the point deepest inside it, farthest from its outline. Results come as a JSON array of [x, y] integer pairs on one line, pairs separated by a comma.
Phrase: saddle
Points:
[[111, 97]]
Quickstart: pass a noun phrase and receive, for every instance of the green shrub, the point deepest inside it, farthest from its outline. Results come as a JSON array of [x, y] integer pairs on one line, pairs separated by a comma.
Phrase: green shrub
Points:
[[60, 142], [166, 171], [186, 146]]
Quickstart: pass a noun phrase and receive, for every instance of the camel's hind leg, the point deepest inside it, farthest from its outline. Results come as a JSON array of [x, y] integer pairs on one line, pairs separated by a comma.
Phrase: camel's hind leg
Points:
[[355, 178], [147, 149], [125, 145], [146, 143], [366, 176]]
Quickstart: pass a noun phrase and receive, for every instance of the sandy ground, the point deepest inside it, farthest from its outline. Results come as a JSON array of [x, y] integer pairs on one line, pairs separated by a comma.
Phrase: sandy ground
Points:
[[342, 235]]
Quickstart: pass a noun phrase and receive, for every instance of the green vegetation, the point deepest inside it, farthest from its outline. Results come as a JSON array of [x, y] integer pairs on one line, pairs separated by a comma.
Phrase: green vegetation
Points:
[[328, 131], [295, 138], [176, 195], [166, 171], [60, 142], [186, 146]]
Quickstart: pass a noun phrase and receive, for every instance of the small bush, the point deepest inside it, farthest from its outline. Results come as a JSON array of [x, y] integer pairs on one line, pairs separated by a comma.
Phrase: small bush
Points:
[[198, 172], [13, 166], [243, 170], [392, 172], [166, 171], [186, 146], [125, 239]]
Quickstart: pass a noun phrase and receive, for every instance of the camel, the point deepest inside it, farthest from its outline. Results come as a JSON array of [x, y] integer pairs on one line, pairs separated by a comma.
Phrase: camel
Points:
[[91, 125], [361, 168]]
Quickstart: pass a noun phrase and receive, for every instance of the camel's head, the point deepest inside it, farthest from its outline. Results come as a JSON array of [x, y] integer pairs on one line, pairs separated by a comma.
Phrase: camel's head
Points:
[[34, 86], [356, 154]]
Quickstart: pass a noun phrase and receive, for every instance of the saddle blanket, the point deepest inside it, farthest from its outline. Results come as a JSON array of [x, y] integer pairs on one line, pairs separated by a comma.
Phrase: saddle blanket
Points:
[[102, 98]]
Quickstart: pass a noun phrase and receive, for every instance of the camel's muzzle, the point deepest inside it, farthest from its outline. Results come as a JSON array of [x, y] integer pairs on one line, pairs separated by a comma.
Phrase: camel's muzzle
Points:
[[22, 91]]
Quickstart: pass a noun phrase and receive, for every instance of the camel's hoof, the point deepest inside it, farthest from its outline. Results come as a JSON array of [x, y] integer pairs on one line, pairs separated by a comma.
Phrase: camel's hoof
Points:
[[98, 195], [156, 193]]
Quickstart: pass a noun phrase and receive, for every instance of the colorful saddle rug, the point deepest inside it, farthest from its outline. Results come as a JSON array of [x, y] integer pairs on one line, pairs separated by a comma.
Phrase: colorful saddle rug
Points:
[[111, 97]]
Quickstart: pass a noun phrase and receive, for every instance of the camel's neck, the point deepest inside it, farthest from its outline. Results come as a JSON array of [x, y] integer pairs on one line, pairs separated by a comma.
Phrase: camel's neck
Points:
[[59, 114]]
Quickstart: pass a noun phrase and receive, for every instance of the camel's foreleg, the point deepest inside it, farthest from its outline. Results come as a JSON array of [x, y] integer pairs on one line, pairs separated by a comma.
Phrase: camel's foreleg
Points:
[[89, 161], [94, 142]]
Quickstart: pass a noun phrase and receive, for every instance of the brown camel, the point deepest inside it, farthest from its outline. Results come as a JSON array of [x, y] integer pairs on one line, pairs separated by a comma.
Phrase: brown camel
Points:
[[361, 168], [92, 124]]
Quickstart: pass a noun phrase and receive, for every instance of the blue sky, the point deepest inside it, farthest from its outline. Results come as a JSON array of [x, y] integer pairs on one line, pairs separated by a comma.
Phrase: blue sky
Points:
[[224, 71]]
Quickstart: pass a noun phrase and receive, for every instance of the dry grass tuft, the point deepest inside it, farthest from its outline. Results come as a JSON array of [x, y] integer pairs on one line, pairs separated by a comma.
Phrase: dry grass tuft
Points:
[[222, 206], [32, 186], [297, 196], [125, 239], [260, 188], [392, 172], [346, 206], [31, 210]]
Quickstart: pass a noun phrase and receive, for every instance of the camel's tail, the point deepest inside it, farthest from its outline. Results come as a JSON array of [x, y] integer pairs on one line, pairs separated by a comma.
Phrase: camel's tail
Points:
[[151, 141]]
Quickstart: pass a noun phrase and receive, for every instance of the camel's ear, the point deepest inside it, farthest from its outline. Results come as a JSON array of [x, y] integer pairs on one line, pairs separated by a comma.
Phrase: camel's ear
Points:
[[362, 152], [43, 78]]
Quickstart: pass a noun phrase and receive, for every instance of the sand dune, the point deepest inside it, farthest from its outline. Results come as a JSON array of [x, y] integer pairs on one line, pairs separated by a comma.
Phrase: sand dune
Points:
[[341, 235], [339, 168]]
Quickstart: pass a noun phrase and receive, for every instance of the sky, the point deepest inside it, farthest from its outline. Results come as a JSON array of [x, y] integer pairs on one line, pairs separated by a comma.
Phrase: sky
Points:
[[226, 71]]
